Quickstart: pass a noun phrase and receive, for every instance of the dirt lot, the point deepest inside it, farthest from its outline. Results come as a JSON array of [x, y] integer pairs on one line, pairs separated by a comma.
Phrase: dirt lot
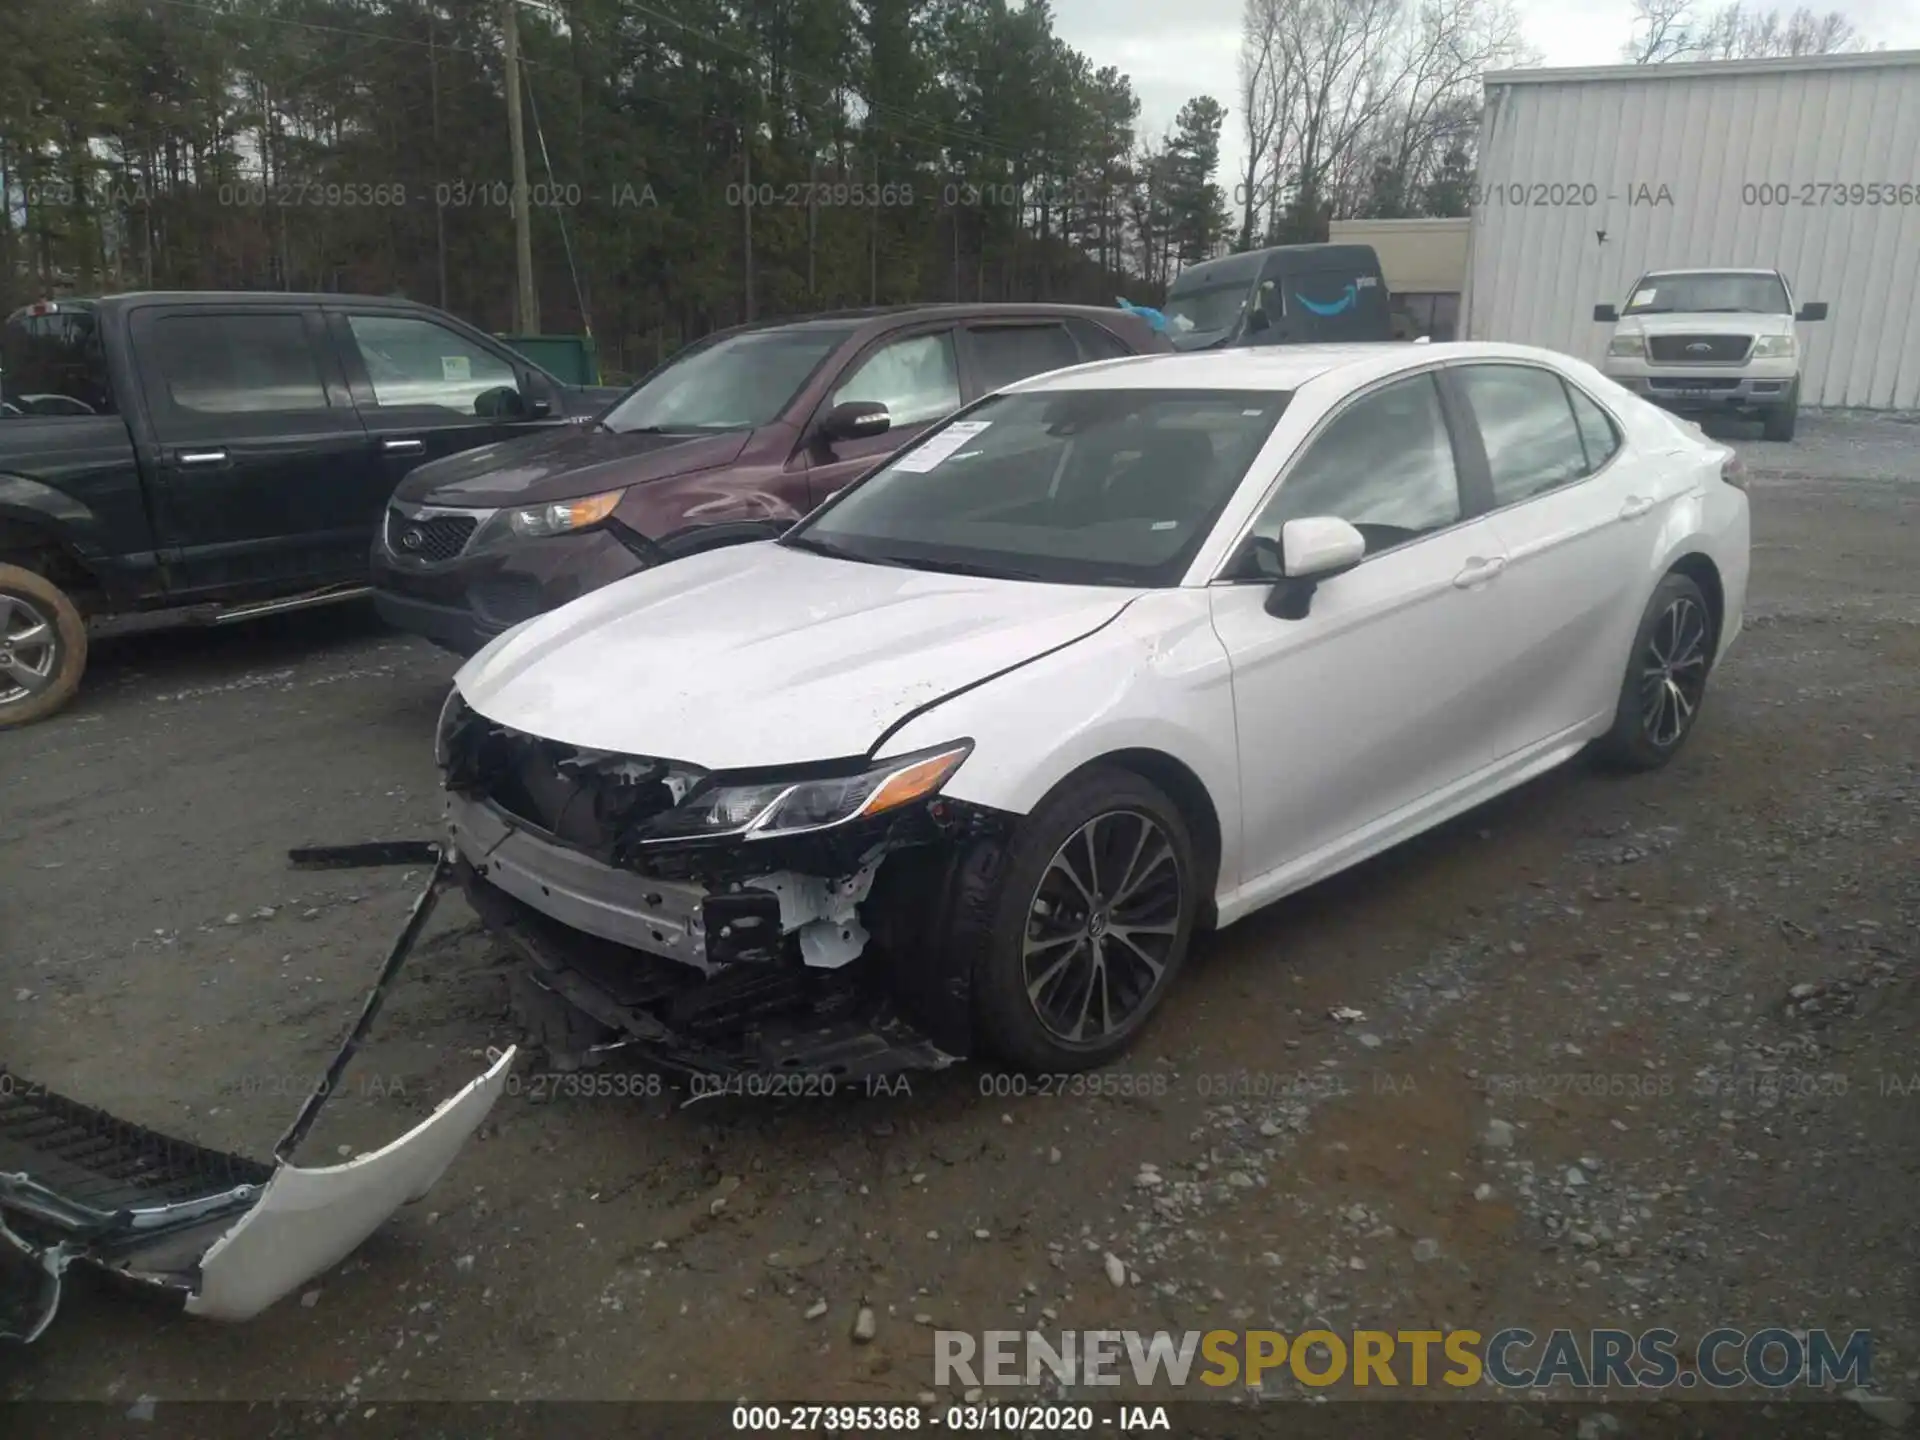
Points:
[[1690, 999]]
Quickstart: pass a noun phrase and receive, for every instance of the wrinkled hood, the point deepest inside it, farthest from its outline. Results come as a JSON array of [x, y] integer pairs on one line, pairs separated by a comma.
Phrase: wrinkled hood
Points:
[[764, 655], [1683, 322], [561, 464]]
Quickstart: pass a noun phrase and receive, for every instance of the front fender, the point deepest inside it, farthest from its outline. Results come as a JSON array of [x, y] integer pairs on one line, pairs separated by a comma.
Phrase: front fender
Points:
[[1156, 678], [57, 514]]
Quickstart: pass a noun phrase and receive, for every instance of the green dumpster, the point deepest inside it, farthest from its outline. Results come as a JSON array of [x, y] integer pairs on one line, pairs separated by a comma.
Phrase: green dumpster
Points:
[[566, 357]]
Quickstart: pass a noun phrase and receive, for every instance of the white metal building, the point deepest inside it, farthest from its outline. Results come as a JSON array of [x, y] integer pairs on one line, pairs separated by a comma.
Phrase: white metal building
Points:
[[1591, 177]]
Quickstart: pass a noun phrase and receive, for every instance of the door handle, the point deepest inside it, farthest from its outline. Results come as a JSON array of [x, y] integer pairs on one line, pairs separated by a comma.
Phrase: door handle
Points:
[[201, 457], [1478, 572], [403, 447], [1635, 507]]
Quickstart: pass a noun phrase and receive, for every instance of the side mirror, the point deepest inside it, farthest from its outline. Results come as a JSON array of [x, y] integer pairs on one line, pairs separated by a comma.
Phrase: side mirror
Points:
[[503, 402], [1813, 310], [855, 420], [1312, 549], [536, 396], [1605, 313]]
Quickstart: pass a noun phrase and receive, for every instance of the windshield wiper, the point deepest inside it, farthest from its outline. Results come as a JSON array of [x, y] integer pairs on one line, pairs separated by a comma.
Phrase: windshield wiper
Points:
[[834, 552], [962, 567]]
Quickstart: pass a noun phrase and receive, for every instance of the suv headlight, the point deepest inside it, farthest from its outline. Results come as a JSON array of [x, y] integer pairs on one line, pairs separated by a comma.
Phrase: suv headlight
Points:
[[1631, 344], [763, 809], [536, 522], [1773, 347]]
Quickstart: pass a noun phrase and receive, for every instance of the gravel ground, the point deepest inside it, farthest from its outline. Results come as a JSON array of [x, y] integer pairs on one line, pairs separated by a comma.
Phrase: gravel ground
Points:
[[1629, 1052]]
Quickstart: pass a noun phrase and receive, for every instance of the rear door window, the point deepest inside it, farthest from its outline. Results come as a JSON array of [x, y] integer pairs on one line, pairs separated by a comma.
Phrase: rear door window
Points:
[[235, 364], [1527, 424], [1004, 354], [1097, 342]]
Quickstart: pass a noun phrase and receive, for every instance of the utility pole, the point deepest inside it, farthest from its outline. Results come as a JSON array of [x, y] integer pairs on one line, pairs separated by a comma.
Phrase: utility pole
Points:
[[746, 209], [439, 204], [528, 305]]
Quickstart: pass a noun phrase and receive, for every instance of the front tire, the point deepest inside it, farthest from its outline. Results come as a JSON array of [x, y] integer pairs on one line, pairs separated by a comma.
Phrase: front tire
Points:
[[1779, 420], [43, 647], [1086, 925], [1666, 679]]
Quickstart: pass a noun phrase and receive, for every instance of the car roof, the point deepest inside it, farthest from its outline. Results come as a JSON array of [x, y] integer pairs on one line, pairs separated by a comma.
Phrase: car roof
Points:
[[1711, 270], [1273, 367]]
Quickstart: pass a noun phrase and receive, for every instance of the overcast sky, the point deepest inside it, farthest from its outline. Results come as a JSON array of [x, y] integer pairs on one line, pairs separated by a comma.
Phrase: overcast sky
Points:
[[1175, 49]]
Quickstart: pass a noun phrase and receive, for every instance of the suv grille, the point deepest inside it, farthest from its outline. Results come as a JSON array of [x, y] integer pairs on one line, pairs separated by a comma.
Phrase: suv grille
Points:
[[435, 538], [1698, 349]]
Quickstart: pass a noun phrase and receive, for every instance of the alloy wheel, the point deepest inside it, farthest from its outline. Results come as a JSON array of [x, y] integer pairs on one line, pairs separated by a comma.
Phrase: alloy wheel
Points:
[[29, 649], [1101, 927], [1673, 672]]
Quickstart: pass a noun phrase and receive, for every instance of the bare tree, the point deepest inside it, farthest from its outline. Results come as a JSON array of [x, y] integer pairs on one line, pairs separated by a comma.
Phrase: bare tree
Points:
[[1669, 30], [1263, 113], [1351, 105]]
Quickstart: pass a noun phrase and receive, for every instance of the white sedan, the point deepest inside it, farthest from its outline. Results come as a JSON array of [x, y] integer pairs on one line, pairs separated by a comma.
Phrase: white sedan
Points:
[[1119, 654]]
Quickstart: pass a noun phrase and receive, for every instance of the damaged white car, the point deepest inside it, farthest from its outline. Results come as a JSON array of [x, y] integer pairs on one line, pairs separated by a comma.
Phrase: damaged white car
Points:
[[1125, 652]]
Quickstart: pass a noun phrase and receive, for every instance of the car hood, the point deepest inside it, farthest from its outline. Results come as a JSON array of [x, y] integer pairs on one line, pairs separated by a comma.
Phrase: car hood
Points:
[[760, 654], [562, 463], [1682, 322]]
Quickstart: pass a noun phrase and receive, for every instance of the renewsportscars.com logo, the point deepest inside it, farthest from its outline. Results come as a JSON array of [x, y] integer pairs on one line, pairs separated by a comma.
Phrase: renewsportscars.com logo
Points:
[[1511, 1359]]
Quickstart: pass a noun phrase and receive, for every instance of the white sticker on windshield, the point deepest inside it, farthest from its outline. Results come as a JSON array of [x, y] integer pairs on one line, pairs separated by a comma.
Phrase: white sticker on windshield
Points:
[[454, 368], [940, 447], [1642, 297]]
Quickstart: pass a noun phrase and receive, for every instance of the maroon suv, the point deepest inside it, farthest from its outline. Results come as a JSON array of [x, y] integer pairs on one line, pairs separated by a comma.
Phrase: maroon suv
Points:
[[733, 439]]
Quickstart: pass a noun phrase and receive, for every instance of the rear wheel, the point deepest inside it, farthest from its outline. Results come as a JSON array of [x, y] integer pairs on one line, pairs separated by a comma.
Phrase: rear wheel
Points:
[[1666, 678], [43, 647], [1088, 924], [1778, 422]]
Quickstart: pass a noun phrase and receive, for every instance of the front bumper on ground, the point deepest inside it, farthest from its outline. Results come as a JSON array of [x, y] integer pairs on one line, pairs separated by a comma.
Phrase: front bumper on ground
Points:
[[225, 1235]]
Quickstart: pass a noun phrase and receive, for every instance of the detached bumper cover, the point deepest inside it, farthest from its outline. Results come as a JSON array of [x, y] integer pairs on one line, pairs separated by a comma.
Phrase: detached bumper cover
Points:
[[226, 1235], [307, 1221]]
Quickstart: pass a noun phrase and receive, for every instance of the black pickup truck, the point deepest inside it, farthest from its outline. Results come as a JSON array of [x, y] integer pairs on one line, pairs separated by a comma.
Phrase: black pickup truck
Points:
[[209, 457]]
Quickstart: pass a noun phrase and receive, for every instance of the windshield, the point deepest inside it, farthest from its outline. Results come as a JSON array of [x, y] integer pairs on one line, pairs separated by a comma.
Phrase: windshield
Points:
[[1089, 487], [1213, 308], [1705, 292], [738, 383], [53, 364]]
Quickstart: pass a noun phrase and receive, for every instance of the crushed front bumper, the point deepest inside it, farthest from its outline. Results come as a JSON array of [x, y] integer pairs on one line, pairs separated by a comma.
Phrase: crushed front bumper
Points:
[[759, 974], [225, 1235]]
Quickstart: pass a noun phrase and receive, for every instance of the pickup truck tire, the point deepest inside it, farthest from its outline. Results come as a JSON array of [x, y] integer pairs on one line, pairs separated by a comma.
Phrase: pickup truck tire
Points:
[[42, 636], [1777, 423]]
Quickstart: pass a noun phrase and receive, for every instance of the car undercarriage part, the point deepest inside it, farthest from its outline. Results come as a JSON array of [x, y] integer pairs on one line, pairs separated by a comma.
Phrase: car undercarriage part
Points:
[[225, 1235], [761, 1019]]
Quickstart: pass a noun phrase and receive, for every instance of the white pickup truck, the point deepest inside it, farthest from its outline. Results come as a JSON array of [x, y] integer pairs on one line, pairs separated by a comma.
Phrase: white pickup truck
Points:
[[1712, 342]]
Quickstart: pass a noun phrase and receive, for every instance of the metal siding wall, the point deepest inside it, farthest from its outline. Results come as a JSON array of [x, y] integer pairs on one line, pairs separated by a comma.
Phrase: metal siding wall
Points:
[[1537, 271]]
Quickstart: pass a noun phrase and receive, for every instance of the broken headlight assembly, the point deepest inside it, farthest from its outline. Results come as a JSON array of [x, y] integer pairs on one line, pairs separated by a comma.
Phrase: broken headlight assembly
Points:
[[760, 810]]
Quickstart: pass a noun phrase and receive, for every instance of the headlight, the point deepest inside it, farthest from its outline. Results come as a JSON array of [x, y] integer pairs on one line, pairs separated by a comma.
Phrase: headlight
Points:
[[1633, 343], [450, 714], [762, 810], [1773, 347], [539, 521]]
